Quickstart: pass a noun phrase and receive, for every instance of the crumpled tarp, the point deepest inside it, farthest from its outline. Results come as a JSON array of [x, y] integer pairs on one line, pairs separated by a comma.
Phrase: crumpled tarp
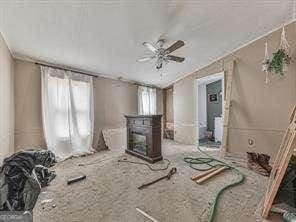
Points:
[[22, 176]]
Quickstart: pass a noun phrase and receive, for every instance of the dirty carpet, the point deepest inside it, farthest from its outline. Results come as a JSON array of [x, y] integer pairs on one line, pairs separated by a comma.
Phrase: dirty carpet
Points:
[[110, 194]]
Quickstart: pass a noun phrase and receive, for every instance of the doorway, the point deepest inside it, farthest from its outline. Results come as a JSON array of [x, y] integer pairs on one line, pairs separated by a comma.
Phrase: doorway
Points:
[[210, 106]]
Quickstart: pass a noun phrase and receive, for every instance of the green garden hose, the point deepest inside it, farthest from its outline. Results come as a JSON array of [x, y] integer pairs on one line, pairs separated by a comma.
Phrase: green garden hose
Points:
[[209, 162]]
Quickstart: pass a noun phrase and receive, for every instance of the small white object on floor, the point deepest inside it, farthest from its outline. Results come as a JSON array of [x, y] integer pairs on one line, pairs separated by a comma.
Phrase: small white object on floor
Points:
[[146, 215], [46, 201]]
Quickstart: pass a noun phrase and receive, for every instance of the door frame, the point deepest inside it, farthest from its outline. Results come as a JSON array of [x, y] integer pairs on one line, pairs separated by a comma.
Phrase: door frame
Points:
[[206, 80]]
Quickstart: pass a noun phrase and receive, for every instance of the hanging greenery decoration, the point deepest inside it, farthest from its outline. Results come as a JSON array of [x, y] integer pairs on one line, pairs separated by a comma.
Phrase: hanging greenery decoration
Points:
[[279, 59]]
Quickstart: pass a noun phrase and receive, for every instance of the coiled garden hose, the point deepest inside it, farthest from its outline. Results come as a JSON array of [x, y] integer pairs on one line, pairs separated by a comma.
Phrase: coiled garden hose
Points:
[[209, 162]]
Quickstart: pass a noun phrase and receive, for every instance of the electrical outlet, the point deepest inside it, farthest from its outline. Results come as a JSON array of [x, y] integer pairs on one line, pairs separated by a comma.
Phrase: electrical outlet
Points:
[[251, 142]]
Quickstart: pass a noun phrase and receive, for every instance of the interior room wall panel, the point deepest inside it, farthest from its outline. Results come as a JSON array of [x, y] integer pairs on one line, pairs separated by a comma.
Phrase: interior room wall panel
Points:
[[112, 100], [183, 100], [6, 101], [169, 105], [259, 111], [28, 115]]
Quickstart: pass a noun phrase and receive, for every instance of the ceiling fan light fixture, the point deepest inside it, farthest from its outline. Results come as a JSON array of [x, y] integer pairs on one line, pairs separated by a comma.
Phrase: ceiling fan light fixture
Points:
[[162, 54]]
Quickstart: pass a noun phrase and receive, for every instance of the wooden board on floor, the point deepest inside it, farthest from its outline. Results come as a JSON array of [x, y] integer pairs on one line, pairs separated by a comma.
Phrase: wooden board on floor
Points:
[[287, 149], [210, 175]]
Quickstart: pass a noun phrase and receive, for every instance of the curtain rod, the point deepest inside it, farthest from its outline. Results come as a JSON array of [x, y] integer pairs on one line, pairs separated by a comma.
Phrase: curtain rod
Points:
[[66, 69], [149, 86], [88, 74]]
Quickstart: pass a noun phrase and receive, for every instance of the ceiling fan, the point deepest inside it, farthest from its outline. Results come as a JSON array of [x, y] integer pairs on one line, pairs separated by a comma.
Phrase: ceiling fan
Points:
[[161, 54]]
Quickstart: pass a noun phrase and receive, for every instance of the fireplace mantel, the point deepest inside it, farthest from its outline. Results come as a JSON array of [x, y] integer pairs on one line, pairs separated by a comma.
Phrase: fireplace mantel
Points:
[[144, 137]]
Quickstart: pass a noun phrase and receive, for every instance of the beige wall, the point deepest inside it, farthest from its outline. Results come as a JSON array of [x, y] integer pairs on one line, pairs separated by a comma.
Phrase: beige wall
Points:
[[169, 105], [258, 111], [113, 99], [159, 101], [184, 114], [28, 116], [6, 101]]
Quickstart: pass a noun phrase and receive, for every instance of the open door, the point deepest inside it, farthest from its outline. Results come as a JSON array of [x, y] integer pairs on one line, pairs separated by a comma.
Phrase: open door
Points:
[[209, 110]]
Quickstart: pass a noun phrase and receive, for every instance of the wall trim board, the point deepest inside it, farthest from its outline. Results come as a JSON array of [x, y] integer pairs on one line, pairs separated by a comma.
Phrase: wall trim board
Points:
[[29, 132], [210, 78], [276, 28], [186, 124], [7, 45], [234, 156], [228, 75], [164, 116], [257, 129]]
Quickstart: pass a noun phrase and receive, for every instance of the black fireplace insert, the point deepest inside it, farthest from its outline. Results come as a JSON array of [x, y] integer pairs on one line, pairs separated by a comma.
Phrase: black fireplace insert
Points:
[[139, 143]]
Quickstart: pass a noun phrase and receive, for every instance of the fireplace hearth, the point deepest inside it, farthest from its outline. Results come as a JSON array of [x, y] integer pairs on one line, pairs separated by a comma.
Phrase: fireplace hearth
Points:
[[144, 137]]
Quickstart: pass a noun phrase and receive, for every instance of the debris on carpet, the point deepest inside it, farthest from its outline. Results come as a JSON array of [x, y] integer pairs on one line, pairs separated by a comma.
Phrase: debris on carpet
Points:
[[168, 177], [125, 160], [259, 163], [200, 178], [146, 215], [207, 164], [22, 176], [76, 179], [46, 201]]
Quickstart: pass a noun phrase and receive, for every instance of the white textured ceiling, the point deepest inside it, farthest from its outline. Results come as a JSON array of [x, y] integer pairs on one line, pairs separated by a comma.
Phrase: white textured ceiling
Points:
[[106, 37]]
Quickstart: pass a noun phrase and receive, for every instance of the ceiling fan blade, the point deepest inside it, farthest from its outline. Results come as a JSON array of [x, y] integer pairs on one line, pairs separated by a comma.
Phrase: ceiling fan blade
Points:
[[175, 58], [150, 46], [145, 59], [174, 47]]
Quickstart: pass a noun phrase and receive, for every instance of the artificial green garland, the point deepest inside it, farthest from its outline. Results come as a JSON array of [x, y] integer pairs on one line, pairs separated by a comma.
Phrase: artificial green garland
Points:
[[276, 64]]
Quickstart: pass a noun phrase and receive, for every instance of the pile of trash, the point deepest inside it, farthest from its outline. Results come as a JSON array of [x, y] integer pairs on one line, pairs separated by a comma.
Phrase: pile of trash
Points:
[[22, 176], [259, 163]]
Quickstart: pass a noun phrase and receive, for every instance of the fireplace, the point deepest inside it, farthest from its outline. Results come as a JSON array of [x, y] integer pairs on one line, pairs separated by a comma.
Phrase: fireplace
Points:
[[139, 143], [144, 137]]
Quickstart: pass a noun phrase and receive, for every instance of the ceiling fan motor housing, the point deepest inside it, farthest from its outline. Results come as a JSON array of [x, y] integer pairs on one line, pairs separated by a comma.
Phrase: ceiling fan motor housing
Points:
[[160, 43], [161, 54]]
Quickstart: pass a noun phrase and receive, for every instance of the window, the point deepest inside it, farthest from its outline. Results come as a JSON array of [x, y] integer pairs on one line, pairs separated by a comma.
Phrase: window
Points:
[[58, 98], [80, 91], [146, 100], [60, 93], [67, 111]]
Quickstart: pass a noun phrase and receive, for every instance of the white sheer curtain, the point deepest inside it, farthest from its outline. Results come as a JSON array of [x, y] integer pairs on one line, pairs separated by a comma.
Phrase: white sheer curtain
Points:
[[67, 112], [146, 100]]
